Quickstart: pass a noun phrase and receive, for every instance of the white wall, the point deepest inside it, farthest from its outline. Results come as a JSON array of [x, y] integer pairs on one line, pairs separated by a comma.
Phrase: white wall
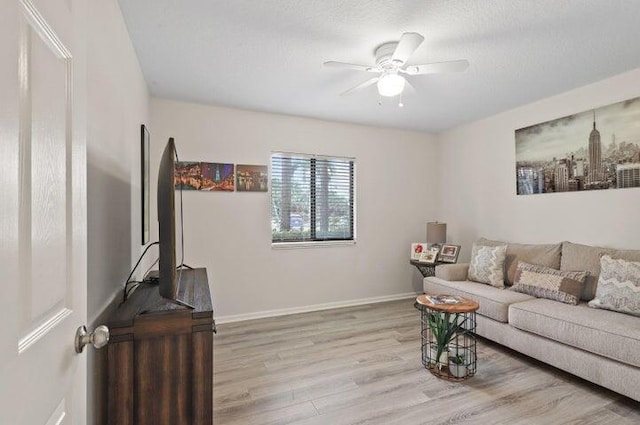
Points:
[[479, 191], [230, 233], [117, 103], [117, 106]]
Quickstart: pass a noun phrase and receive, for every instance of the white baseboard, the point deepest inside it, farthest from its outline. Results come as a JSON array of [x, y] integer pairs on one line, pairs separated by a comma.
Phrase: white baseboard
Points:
[[314, 307]]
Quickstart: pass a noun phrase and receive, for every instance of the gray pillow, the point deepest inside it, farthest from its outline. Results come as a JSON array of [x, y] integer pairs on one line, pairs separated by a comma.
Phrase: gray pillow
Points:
[[618, 286]]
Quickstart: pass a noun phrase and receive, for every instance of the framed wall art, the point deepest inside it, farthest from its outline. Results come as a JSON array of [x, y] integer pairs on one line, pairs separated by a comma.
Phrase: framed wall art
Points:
[[187, 175], [217, 176], [144, 182], [204, 176], [591, 150], [252, 178]]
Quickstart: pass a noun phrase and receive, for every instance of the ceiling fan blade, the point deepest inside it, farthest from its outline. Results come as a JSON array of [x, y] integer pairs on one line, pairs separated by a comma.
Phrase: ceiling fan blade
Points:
[[360, 86], [408, 88], [437, 68], [409, 42], [344, 65]]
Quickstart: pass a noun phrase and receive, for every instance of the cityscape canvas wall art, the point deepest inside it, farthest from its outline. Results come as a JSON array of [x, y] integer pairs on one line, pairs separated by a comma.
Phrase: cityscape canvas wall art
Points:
[[204, 176], [217, 176], [590, 150], [187, 176], [252, 178]]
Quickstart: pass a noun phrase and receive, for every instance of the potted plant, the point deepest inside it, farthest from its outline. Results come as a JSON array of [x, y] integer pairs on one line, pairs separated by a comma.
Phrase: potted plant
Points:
[[444, 328], [458, 366]]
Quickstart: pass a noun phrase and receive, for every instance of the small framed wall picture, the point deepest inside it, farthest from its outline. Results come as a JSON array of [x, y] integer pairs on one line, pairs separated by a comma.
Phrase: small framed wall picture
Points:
[[144, 182], [417, 249], [252, 178], [430, 256], [449, 253]]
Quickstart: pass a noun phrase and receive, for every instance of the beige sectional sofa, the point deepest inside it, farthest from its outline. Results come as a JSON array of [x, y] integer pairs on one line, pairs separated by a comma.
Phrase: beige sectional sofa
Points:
[[598, 345]]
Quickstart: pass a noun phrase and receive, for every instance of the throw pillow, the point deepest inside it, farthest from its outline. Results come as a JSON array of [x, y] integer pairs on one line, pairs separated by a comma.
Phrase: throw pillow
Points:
[[618, 286], [584, 257], [542, 254], [545, 282], [487, 264]]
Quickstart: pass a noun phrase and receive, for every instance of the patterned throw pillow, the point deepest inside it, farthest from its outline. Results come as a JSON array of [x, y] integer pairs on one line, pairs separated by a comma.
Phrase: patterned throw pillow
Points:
[[545, 282], [487, 264], [618, 286]]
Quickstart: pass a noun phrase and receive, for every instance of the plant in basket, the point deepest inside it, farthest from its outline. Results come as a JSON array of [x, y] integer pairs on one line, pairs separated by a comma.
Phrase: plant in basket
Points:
[[444, 328]]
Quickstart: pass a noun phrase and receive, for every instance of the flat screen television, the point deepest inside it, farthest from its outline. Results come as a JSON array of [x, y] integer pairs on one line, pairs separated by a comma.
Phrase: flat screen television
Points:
[[169, 277]]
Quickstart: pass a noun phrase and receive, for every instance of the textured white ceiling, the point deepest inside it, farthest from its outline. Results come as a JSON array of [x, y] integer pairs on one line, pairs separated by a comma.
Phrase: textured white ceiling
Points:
[[267, 55]]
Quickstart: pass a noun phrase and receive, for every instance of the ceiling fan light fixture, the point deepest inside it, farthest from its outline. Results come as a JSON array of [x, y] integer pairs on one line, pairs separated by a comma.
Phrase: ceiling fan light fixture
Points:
[[390, 85], [393, 72]]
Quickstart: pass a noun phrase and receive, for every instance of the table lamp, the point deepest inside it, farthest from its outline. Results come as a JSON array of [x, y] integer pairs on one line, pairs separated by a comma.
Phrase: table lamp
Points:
[[436, 233]]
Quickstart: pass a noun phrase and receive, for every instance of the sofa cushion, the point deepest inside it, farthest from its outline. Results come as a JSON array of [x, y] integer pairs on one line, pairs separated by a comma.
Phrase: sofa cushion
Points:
[[487, 264], [452, 271], [576, 257], [545, 282], [618, 286], [494, 302], [603, 332], [541, 254]]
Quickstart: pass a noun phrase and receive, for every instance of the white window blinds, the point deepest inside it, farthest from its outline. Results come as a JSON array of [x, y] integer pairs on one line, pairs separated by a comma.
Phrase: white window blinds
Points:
[[312, 198]]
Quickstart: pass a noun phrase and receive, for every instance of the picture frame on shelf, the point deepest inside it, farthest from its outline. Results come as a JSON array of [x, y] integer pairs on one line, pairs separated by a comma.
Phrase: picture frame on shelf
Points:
[[449, 253], [417, 249], [430, 256]]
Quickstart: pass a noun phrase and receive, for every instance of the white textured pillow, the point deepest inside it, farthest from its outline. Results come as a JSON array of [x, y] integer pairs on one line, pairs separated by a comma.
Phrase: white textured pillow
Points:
[[618, 286], [487, 264]]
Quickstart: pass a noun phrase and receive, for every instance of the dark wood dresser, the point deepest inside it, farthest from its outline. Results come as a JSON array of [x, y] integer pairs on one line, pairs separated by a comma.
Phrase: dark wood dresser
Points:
[[160, 356]]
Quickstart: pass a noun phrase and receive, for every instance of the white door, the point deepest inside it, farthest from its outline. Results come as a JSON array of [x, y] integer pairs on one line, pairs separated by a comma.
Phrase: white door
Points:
[[42, 212]]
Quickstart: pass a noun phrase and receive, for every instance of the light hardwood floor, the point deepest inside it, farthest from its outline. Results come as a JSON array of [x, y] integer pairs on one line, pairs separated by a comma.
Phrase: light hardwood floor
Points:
[[361, 365]]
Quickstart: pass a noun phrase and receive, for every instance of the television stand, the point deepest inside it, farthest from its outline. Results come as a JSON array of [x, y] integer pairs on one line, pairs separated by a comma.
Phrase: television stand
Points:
[[160, 356]]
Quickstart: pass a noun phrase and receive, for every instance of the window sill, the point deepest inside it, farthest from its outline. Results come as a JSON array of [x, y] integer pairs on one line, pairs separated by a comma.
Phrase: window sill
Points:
[[310, 244]]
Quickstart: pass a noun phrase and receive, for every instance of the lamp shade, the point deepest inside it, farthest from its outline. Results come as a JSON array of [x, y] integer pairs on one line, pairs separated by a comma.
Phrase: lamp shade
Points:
[[390, 85], [436, 232]]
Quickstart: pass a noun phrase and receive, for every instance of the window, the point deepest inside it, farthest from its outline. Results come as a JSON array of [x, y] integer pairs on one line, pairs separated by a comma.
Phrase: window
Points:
[[312, 198]]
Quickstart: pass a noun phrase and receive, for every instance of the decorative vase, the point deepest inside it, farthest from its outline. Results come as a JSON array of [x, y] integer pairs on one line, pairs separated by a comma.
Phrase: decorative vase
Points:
[[459, 361], [458, 370]]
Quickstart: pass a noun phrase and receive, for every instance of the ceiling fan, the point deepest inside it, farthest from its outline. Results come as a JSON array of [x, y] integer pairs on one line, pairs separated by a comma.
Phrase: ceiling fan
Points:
[[391, 64]]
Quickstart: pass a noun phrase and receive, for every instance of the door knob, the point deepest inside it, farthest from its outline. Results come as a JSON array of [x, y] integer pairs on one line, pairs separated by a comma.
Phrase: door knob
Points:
[[98, 338]]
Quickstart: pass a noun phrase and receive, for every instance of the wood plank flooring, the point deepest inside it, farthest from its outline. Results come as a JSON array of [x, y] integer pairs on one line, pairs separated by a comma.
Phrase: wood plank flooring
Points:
[[361, 365]]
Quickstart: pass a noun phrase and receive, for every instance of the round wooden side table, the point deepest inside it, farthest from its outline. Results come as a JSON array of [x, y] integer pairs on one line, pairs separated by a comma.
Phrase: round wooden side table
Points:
[[448, 335]]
